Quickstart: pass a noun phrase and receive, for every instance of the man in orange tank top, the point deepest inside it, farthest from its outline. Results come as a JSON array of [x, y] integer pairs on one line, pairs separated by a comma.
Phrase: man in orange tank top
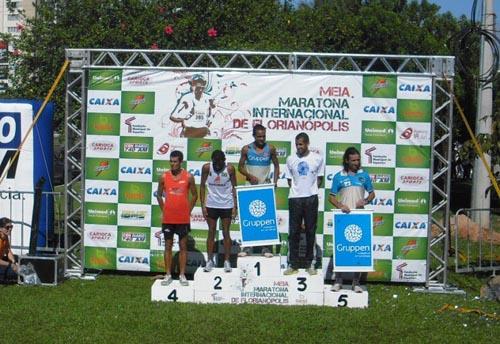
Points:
[[8, 265], [175, 185]]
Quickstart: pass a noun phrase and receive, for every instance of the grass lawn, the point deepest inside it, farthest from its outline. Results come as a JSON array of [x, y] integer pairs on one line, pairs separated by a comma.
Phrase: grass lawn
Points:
[[117, 309]]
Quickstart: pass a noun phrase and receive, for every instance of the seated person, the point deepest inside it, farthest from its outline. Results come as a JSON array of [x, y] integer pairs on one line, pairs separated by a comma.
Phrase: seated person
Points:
[[8, 264]]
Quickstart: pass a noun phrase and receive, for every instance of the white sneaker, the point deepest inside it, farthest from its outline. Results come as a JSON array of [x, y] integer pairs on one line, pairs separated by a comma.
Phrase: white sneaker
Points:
[[267, 253], [336, 287], [227, 266], [312, 271], [357, 288], [209, 266], [290, 271], [245, 252], [166, 280], [183, 280]]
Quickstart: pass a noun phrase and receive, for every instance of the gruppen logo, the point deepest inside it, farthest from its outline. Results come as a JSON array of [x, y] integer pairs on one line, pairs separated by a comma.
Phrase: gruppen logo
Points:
[[257, 208], [353, 233]]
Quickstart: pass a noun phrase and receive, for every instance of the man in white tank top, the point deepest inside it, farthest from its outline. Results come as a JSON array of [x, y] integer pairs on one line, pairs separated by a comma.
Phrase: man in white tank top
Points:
[[219, 179]]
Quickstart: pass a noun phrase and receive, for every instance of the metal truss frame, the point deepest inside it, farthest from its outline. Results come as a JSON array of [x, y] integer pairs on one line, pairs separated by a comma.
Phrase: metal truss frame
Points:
[[440, 68]]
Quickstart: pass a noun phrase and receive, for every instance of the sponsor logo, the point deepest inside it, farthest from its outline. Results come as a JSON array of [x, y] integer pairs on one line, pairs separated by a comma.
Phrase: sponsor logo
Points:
[[376, 159], [414, 88], [101, 212], [204, 148], [382, 202], [379, 109], [134, 237], [399, 269], [417, 202], [137, 100], [99, 236], [138, 80], [104, 101], [105, 79], [133, 215], [101, 191], [163, 149], [10, 129], [382, 248], [103, 166], [233, 150], [409, 133], [257, 208], [379, 85], [135, 170], [381, 178], [281, 152], [412, 179], [353, 233], [103, 146], [411, 225], [133, 260], [136, 147], [378, 221], [411, 245], [195, 172], [135, 128], [379, 131]]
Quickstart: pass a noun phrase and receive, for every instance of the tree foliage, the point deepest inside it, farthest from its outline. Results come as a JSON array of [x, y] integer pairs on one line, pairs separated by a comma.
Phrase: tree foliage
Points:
[[331, 26]]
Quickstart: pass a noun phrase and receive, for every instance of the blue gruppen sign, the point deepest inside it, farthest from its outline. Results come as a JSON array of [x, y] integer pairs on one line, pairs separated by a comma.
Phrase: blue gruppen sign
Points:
[[257, 214], [352, 241]]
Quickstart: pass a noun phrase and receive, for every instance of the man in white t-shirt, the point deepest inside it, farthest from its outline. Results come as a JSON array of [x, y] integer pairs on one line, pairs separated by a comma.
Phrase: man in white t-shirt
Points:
[[304, 172]]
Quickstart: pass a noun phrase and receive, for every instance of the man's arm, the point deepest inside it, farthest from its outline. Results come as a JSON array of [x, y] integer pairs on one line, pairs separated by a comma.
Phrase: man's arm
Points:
[[204, 175], [194, 193], [241, 166], [180, 112], [339, 205], [232, 176], [274, 159], [159, 192], [362, 202]]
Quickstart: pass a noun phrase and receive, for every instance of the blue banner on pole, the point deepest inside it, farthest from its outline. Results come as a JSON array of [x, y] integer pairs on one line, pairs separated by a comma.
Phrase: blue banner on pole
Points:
[[352, 241], [257, 213]]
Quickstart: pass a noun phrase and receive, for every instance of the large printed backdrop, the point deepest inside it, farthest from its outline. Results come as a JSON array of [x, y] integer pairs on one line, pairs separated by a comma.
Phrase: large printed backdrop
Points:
[[130, 136]]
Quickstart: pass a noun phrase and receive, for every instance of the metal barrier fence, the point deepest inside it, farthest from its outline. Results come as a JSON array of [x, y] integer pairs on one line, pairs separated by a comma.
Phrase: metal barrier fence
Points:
[[18, 206], [477, 240]]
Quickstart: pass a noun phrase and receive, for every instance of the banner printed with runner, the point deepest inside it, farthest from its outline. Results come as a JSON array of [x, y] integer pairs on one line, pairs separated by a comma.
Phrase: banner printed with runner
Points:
[[257, 214], [352, 241]]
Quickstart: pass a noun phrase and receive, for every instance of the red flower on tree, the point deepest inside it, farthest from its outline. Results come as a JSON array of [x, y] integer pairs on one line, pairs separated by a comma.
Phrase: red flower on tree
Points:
[[16, 52], [154, 46], [212, 32], [20, 27], [168, 30]]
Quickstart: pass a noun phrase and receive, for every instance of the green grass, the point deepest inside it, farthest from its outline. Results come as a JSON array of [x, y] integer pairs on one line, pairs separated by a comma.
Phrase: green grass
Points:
[[117, 309]]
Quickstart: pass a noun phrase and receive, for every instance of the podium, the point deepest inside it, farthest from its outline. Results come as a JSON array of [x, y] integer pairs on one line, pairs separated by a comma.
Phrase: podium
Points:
[[258, 280]]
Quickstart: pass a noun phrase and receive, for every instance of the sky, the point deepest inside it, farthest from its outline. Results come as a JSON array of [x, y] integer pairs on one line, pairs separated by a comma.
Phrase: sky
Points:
[[460, 7]]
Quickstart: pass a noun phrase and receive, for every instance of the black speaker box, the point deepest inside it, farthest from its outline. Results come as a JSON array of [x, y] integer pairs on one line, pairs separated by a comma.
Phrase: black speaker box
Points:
[[49, 268]]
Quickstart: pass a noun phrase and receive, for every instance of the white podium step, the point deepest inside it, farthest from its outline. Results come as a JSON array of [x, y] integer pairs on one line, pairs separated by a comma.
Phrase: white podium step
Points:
[[174, 292], [217, 280], [257, 266], [345, 297]]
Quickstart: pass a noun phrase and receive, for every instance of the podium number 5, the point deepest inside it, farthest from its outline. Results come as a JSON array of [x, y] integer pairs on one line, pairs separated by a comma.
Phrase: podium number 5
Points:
[[342, 301], [302, 283]]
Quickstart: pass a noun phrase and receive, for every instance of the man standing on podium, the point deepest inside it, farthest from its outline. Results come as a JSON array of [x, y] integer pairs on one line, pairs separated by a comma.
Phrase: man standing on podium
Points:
[[176, 184], [255, 165], [347, 192], [304, 171], [220, 180]]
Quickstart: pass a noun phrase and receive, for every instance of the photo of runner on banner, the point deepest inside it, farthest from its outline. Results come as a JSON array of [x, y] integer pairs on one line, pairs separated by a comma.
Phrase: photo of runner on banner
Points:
[[352, 241], [257, 214]]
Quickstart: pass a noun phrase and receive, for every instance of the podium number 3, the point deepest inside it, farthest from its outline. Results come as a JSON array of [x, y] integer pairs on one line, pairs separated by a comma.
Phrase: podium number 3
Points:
[[302, 283], [173, 295], [342, 301]]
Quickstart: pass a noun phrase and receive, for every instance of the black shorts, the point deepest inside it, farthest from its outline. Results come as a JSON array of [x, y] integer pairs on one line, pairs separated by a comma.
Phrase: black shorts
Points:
[[215, 213], [169, 230]]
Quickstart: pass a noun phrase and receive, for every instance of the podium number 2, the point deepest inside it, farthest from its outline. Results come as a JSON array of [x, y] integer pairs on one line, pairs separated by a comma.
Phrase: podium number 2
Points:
[[257, 266], [173, 295], [302, 283], [218, 281], [342, 301]]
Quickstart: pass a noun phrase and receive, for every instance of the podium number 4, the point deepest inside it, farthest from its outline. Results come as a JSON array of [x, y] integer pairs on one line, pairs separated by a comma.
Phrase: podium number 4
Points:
[[173, 295]]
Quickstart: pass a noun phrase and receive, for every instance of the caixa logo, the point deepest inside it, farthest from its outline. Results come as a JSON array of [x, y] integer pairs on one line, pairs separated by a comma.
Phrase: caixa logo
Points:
[[133, 260], [379, 109], [10, 138], [101, 191], [104, 101], [411, 225], [382, 202], [135, 170], [414, 88]]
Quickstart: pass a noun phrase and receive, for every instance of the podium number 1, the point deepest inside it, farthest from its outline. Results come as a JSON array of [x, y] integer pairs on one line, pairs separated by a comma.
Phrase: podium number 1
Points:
[[257, 266]]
